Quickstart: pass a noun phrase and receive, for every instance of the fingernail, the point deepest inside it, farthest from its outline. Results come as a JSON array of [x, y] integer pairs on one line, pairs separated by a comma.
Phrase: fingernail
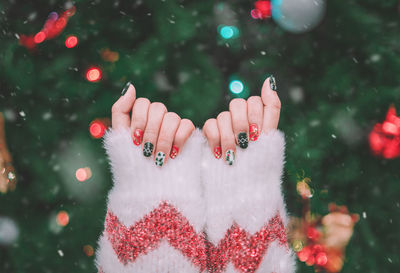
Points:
[[148, 149], [243, 140], [272, 82], [160, 159], [174, 152], [218, 152], [137, 137], [254, 133], [230, 157], [126, 87]]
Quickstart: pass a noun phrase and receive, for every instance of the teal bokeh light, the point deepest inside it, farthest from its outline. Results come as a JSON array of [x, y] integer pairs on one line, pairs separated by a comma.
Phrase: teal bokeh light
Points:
[[228, 32], [236, 87]]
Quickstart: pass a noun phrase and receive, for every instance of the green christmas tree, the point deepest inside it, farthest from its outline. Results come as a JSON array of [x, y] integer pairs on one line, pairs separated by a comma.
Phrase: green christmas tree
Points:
[[335, 82]]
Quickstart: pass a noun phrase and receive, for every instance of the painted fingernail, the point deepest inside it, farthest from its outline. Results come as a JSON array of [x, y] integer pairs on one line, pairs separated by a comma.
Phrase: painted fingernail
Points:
[[254, 133], [148, 149], [243, 140], [174, 152], [160, 159], [230, 157], [137, 137], [126, 87], [272, 83], [218, 152]]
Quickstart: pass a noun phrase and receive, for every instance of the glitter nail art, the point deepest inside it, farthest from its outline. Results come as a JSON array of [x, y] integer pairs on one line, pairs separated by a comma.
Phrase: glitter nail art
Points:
[[254, 133], [148, 149], [243, 140], [174, 152], [218, 152], [272, 83], [160, 159], [230, 157], [126, 87], [137, 137]]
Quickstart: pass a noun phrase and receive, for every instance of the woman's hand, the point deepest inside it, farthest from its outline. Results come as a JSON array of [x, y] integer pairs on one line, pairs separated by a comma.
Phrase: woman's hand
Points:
[[244, 119], [159, 132]]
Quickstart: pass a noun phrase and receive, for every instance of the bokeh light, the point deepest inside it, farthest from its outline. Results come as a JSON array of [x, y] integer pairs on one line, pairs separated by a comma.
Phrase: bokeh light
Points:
[[228, 32], [97, 128], [88, 249], [71, 41], [39, 37], [93, 74], [62, 218], [236, 87], [83, 174]]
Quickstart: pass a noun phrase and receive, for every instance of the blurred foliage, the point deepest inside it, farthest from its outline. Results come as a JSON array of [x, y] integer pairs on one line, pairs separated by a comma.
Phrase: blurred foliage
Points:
[[335, 83]]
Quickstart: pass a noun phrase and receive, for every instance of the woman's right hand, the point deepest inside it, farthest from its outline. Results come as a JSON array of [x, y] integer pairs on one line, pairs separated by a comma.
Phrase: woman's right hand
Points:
[[161, 133], [244, 120]]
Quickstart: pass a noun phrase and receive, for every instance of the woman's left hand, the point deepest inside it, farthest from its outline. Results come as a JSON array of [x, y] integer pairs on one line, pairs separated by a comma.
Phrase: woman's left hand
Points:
[[244, 120]]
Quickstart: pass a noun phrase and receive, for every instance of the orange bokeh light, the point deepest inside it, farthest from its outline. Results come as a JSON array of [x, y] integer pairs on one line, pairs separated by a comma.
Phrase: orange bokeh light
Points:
[[62, 218], [88, 249], [83, 174]]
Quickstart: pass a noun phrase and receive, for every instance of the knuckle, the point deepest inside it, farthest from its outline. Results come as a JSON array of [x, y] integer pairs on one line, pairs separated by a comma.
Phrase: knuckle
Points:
[[142, 101], [237, 102], [188, 123], [164, 141], [227, 139], [158, 106], [115, 108], [254, 99], [172, 116], [276, 102], [223, 115]]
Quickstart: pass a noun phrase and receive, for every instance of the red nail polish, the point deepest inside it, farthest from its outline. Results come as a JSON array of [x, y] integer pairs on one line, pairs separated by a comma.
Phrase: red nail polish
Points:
[[218, 152], [174, 152], [137, 137], [253, 131]]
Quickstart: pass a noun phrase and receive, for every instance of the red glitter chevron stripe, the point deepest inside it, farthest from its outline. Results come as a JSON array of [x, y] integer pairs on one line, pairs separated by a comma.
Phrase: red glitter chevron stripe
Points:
[[163, 222], [245, 251]]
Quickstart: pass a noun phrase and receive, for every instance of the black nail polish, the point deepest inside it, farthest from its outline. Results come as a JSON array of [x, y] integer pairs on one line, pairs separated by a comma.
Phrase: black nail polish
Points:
[[272, 83], [125, 88], [243, 140], [148, 149]]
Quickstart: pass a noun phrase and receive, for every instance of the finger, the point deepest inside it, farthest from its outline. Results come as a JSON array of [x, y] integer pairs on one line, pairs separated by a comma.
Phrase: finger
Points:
[[272, 105], [185, 129], [224, 122], [255, 111], [139, 119], [122, 107], [211, 132], [166, 137], [238, 110], [154, 119]]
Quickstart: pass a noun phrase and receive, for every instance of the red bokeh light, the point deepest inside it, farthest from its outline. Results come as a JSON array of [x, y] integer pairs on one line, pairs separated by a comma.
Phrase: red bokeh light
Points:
[[97, 128], [39, 37], [321, 259], [262, 10], [71, 41], [93, 74], [62, 218]]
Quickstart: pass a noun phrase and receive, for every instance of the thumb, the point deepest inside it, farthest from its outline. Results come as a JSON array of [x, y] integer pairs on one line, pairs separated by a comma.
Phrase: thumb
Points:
[[120, 111]]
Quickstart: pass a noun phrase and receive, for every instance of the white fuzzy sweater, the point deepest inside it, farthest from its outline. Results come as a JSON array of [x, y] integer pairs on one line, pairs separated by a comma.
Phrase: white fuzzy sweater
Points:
[[196, 213]]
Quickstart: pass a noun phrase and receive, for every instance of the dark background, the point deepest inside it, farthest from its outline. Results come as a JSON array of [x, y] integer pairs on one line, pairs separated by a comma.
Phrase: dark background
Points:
[[335, 82]]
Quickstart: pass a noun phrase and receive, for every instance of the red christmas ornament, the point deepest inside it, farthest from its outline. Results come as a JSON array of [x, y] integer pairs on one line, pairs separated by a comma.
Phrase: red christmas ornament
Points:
[[262, 10], [384, 138]]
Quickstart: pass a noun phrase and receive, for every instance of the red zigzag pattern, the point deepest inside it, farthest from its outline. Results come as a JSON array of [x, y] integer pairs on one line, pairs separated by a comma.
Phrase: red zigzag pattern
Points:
[[238, 246]]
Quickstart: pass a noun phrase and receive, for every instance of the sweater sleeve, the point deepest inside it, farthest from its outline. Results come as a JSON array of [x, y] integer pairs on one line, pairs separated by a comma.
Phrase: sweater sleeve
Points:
[[155, 215], [245, 209]]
